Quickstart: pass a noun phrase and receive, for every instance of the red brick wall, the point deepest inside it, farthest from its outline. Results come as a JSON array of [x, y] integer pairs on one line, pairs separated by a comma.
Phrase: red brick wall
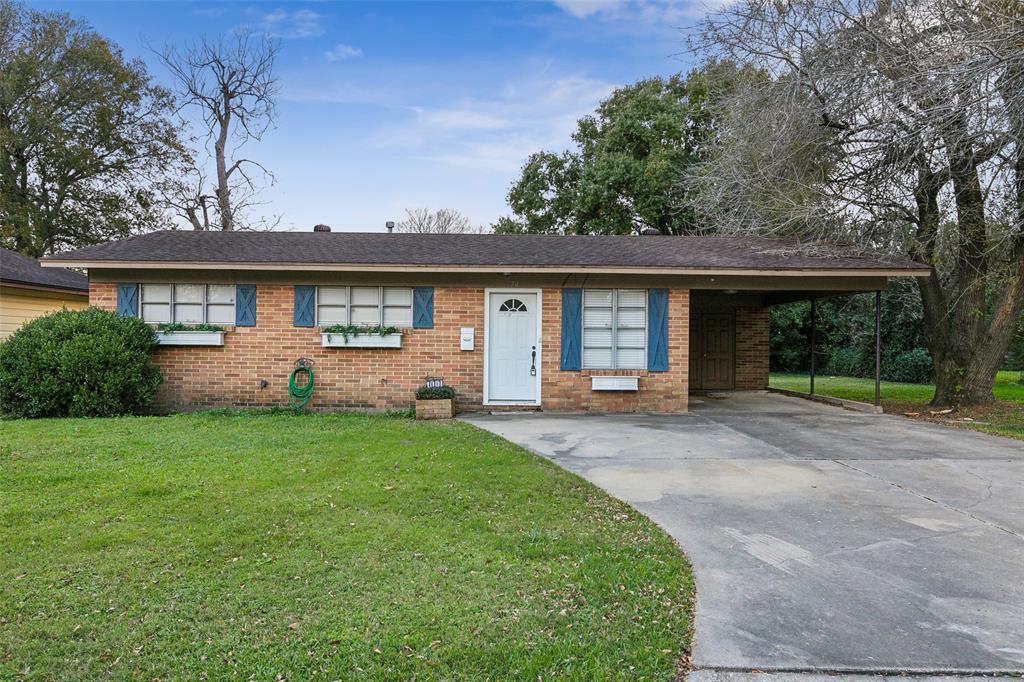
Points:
[[197, 376], [752, 330], [364, 378]]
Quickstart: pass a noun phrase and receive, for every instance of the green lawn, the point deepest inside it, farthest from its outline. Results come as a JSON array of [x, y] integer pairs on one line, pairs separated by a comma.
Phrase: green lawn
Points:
[[1005, 417], [327, 547]]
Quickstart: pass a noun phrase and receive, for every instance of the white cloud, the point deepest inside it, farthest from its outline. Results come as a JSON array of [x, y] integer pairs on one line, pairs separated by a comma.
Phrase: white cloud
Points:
[[302, 23], [461, 119], [342, 51], [650, 12], [498, 133], [585, 8]]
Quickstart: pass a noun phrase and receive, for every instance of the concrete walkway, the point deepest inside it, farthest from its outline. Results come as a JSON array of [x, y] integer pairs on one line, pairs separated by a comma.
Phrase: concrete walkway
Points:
[[822, 540]]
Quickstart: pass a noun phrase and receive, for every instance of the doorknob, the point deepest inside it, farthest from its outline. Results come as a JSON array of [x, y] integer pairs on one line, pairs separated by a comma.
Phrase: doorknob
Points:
[[533, 361]]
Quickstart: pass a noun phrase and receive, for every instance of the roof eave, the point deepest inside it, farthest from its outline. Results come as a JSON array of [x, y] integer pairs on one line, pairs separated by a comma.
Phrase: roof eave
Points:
[[18, 284], [894, 271]]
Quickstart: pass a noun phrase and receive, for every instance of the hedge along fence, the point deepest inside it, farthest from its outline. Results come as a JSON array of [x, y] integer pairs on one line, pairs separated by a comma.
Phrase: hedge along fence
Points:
[[83, 363]]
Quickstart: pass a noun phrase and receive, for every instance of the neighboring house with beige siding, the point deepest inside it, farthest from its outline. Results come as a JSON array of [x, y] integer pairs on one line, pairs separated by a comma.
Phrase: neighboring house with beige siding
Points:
[[28, 291], [573, 323]]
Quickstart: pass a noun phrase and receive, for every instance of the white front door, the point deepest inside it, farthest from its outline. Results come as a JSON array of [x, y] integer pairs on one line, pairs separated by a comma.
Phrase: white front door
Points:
[[512, 347]]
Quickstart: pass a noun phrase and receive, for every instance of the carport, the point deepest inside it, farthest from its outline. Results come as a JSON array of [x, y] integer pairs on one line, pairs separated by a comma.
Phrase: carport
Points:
[[729, 335]]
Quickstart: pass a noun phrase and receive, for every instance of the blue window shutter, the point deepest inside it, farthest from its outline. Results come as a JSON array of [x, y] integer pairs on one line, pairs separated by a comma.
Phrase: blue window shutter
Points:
[[423, 308], [657, 330], [245, 305], [572, 329], [304, 301], [128, 300]]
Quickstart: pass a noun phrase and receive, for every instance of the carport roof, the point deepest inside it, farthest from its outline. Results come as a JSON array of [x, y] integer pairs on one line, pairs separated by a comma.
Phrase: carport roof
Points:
[[472, 252]]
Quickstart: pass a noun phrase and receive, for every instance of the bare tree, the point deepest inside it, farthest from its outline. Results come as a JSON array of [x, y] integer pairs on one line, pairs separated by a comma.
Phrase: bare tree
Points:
[[896, 127], [231, 83], [184, 192], [441, 221]]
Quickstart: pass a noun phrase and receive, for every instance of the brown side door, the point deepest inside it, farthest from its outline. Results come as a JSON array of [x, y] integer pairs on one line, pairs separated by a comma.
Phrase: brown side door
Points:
[[718, 356]]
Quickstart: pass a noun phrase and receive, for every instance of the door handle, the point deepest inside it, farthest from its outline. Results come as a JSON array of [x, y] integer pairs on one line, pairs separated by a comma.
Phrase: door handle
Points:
[[533, 361]]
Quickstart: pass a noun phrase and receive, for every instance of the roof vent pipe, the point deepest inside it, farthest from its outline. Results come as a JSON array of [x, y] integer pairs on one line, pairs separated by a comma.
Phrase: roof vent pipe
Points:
[[390, 225], [650, 232], [321, 228]]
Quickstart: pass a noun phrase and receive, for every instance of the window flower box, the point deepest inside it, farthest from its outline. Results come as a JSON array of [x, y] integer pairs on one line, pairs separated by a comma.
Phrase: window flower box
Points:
[[190, 338], [339, 340]]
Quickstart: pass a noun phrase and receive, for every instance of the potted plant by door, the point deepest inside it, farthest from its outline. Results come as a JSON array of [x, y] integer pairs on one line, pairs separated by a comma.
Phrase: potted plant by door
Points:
[[435, 402]]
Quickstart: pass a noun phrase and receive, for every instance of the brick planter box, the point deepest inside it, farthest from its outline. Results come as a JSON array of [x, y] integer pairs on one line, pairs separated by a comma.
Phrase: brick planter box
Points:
[[434, 409]]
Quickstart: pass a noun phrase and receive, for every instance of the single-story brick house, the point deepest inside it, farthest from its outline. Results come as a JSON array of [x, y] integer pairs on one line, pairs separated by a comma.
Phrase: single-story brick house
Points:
[[576, 323], [28, 291]]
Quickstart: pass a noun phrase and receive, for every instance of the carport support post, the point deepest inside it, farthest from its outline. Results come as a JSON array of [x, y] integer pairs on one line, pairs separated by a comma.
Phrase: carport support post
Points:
[[878, 348], [813, 343]]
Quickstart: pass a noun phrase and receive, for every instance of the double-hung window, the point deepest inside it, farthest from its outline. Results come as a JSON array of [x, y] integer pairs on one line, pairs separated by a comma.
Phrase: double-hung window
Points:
[[364, 306], [188, 303], [614, 328]]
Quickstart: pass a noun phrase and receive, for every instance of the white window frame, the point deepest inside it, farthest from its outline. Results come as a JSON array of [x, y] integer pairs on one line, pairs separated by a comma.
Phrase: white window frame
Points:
[[348, 304], [205, 303], [614, 365]]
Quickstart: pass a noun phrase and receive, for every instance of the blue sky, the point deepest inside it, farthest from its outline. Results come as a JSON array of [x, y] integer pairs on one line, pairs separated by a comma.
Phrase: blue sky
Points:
[[393, 105]]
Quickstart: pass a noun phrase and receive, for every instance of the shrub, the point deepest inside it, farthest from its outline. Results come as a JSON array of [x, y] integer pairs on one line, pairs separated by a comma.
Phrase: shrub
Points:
[[911, 367], [83, 363], [439, 393], [845, 362]]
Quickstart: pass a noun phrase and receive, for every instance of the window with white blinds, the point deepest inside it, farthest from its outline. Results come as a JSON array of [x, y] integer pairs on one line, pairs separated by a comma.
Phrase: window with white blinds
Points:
[[614, 328], [188, 303], [364, 306]]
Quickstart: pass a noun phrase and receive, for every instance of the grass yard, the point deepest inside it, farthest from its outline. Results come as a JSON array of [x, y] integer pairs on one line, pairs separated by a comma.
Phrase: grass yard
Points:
[[277, 546], [1005, 417]]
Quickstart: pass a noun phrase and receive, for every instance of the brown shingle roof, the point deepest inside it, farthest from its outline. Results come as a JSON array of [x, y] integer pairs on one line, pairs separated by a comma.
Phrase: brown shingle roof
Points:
[[469, 250], [18, 269]]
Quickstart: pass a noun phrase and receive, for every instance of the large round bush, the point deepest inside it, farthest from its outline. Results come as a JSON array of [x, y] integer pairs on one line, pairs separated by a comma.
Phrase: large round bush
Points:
[[912, 367], [82, 363]]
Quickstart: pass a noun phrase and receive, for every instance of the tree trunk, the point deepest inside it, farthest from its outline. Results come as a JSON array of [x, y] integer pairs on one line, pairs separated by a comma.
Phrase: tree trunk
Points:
[[227, 218], [966, 342], [967, 357], [963, 380]]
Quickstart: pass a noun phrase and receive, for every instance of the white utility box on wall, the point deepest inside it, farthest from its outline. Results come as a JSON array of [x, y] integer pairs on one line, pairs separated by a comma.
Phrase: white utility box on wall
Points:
[[466, 338]]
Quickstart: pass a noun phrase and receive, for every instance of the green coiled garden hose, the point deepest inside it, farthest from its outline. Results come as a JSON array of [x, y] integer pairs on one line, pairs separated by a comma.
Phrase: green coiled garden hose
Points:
[[298, 396]]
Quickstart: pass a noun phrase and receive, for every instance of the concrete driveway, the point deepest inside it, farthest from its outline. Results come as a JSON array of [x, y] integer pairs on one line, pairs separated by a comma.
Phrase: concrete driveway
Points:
[[822, 540]]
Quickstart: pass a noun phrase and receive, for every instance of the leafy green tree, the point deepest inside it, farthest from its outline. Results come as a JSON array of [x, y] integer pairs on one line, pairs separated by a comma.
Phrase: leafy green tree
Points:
[[83, 134], [623, 175]]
